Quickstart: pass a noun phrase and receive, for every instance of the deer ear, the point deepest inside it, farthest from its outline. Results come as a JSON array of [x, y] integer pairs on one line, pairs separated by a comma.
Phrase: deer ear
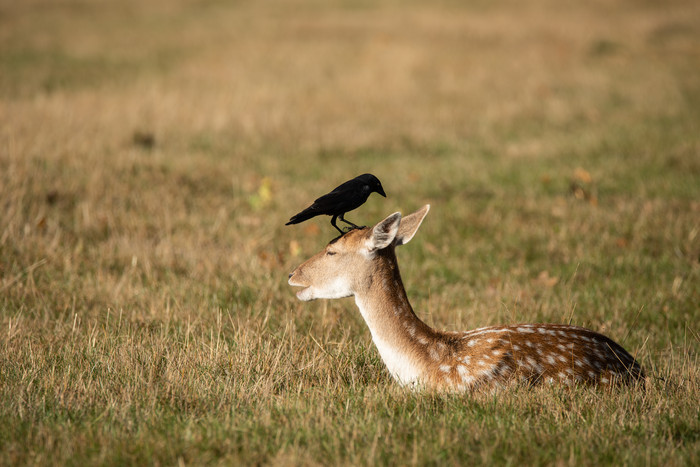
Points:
[[409, 225], [384, 232]]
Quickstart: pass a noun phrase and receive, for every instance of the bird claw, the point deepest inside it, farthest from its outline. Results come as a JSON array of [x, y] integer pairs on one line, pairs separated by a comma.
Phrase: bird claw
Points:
[[353, 227]]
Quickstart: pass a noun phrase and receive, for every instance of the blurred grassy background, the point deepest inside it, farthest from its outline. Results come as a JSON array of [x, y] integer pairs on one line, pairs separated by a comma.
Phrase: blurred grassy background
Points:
[[150, 154]]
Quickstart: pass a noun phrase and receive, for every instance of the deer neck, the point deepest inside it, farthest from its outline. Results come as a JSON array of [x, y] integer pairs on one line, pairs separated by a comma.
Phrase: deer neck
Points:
[[404, 342]]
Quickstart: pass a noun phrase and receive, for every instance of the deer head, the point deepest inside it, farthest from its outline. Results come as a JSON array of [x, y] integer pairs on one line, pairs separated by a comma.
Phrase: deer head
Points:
[[347, 262]]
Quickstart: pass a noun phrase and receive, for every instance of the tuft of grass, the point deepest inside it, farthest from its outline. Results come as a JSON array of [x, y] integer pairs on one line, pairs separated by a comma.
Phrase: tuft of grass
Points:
[[151, 154]]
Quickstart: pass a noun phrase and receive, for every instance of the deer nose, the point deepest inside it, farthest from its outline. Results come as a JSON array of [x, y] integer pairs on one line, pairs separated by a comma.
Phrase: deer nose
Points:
[[291, 274]]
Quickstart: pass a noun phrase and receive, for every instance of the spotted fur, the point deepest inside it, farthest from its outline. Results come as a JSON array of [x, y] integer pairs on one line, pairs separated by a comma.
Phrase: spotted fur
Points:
[[362, 263]]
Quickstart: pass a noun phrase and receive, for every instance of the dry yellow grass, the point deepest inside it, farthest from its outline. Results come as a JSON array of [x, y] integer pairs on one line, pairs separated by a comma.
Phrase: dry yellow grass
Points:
[[151, 153]]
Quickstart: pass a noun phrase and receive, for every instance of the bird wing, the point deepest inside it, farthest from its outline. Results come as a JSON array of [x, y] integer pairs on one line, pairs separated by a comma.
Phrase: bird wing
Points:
[[330, 204], [330, 201], [341, 193], [343, 198]]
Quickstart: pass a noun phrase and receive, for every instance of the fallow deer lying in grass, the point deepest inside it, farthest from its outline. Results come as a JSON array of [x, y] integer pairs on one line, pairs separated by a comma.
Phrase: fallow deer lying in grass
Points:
[[362, 263]]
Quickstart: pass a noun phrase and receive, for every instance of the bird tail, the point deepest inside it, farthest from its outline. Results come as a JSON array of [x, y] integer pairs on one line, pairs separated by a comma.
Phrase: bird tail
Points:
[[307, 213]]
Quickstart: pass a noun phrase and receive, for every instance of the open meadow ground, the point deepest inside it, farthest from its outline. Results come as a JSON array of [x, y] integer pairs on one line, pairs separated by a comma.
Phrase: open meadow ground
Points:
[[151, 152]]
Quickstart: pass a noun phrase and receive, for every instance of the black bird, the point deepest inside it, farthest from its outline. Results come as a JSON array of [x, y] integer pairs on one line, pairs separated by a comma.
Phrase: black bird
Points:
[[344, 198]]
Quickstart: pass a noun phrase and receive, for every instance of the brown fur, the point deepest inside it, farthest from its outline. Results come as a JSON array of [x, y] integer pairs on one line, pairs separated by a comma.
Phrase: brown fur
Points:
[[363, 263]]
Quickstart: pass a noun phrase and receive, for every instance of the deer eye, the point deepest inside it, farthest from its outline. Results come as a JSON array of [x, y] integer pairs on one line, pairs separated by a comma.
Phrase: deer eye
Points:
[[330, 253]]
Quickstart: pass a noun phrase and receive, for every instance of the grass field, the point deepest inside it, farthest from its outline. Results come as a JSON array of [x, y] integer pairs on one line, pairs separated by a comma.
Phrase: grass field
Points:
[[151, 152]]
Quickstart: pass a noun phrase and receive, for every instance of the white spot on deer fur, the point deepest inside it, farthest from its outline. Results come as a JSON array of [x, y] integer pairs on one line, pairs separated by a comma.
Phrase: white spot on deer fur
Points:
[[570, 371], [591, 374], [490, 340], [434, 353], [516, 347], [496, 353], [486, 330], [473, 342], [462, 370], [445, 368], [578, 362], [466, 359], [550, 360], [524, 329], [562, 358], [535, 365], [604, 380], [529, 344], [488, 373]]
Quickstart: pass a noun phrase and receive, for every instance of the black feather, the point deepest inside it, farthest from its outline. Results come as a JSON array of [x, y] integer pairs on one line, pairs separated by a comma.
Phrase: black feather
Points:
[[344, 198]]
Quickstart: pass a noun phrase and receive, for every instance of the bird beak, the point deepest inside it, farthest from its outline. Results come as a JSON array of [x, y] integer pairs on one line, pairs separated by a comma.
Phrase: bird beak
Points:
[[380, 190]]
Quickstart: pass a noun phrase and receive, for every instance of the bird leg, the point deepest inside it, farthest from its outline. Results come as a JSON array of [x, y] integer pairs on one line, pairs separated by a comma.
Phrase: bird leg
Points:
[[348, 222], [333, 224]]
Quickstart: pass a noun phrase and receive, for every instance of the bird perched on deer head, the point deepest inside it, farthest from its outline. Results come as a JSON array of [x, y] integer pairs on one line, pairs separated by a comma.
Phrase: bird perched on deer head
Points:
[[344, 198]]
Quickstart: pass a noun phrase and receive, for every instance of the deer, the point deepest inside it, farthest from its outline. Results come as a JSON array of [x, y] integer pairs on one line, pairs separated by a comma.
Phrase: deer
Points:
[[362, 263]]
